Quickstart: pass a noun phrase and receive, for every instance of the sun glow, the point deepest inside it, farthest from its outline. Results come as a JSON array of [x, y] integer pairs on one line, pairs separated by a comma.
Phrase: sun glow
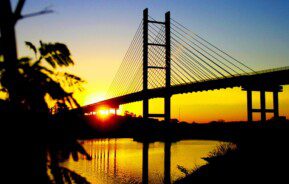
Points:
[[103, 113], [93, 98]]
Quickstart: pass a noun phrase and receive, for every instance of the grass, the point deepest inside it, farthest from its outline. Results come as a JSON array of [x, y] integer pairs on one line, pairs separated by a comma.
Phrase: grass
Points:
[[221, 150], [223, 156]]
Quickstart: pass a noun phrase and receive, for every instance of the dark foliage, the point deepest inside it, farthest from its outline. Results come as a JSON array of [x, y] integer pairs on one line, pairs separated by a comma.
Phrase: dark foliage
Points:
[[47, 137]]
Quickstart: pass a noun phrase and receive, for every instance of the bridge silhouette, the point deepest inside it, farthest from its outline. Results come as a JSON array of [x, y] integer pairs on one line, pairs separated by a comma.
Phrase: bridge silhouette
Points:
[[166, 58]]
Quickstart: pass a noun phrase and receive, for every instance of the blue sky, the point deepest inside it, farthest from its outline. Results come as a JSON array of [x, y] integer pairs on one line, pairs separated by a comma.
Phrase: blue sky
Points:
[[255, 31], [98, 32]]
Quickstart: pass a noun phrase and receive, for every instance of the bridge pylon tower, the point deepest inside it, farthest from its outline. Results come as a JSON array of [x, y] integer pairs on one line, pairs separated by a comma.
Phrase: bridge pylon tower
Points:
[[167, 68]]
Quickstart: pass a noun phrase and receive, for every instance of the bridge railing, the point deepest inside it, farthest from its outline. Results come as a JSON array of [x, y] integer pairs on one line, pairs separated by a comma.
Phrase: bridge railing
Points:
[[269, 70]]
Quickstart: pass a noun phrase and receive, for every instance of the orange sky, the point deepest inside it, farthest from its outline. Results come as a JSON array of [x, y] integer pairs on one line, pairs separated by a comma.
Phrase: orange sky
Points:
[[98, 34]]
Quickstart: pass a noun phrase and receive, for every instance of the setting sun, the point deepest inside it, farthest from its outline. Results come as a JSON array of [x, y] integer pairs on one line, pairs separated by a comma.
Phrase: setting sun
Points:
[[103, 113]]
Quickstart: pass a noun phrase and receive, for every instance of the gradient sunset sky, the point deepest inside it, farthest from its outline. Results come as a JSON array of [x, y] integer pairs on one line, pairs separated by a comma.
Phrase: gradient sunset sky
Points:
[[98, 33]]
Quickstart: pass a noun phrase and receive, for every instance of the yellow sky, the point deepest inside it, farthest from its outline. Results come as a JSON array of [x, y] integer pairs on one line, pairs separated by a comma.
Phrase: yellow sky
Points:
[[98, 34], [226, 104], [97, 64]]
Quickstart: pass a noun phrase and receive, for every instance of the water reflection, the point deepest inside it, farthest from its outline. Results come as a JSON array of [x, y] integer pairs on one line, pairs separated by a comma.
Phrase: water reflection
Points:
[[145, 162], [126, 161], [167, 162], [167, 174]]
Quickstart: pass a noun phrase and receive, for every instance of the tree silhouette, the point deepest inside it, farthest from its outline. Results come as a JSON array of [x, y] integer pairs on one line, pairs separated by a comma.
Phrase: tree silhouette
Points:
[[35, 80], [42, 140], [8, 21]]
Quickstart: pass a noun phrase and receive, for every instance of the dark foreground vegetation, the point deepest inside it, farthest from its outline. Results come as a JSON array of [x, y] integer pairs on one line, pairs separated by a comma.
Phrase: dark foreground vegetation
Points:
[[261, 155], [33, 142]]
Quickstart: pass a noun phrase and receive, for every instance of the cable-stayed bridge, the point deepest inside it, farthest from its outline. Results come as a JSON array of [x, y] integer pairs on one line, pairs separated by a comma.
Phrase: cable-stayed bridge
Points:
[[166, 58]]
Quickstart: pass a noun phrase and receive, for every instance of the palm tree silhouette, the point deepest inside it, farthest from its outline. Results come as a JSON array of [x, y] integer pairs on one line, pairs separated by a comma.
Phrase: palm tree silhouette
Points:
[[36, 78]]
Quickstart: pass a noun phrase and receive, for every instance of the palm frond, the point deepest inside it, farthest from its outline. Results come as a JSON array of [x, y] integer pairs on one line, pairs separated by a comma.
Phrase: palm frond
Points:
[[55, 90], [45, 69], [62, 48], [24, 60], [67, 176], [74, 77], [50, 61], [31, 46], [74, 101], [56, 54], [37, 62]]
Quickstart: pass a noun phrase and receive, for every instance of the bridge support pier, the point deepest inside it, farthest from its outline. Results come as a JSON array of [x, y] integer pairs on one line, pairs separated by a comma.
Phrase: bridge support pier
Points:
[[276, 104], [145, 65], [249, 106], [167, 108], [145, 108], [263, 105], [263, 111]]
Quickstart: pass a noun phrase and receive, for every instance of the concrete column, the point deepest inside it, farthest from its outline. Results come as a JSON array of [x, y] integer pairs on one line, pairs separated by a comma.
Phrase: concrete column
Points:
[[145, 107], [263, 105], [276, 104], [249, 106], [167, 108]]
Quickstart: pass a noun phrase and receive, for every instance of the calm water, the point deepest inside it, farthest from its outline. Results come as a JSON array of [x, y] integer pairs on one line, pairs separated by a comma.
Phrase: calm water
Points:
[[121, 160]]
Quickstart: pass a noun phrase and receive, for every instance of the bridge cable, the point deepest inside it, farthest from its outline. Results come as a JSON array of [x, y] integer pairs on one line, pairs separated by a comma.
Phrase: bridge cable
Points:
[[202, 55], [213, 45], [119, 74], [193, 71], [183, 69], [117, 78], [189, 35], [207, 53], [201, 64]]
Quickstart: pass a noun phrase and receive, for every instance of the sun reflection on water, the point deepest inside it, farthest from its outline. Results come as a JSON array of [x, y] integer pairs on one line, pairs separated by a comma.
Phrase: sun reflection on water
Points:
[[120, 160]]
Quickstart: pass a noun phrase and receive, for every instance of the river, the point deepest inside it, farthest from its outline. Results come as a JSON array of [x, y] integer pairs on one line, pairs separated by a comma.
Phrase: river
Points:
[[123, 160]]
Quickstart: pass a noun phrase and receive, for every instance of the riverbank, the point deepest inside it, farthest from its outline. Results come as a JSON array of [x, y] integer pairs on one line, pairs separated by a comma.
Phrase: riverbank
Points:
[[262, 155], [134, 127]]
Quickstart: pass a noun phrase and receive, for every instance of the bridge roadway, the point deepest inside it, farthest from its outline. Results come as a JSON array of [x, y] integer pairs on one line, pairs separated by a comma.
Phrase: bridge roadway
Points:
[[267, 80]]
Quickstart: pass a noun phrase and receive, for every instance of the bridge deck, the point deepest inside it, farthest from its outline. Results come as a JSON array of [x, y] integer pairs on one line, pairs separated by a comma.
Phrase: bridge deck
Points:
[[267, 79]]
